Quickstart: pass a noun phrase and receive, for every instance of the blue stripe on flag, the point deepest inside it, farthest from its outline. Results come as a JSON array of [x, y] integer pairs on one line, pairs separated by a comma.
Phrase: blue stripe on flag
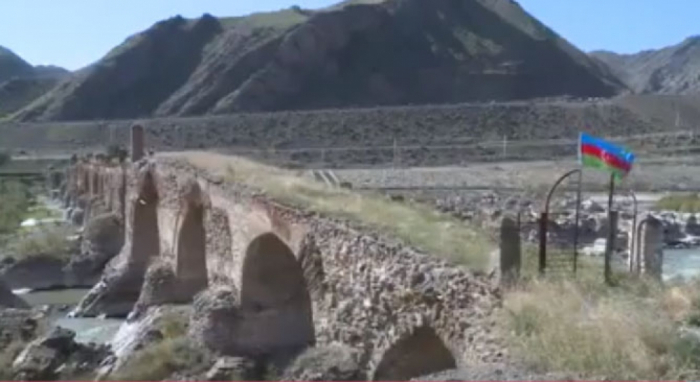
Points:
[[618, 151]]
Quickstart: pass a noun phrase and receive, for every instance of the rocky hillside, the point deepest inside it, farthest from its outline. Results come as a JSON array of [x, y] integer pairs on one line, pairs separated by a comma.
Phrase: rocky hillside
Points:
[[671, 70], [21, 83], [355, 54]]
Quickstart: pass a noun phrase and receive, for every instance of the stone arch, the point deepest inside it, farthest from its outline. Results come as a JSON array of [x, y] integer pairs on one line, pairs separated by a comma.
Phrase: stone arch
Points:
[[191, 261], [145, 234], [416, 354], [275, 297]]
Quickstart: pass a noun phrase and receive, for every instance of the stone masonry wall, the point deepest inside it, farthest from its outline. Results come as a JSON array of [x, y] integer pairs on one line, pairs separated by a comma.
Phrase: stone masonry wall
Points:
[[366, 290]]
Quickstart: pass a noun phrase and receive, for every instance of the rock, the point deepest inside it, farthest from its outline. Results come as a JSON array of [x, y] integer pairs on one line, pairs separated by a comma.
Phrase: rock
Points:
[[102, 241], [18, 325], [9, 299], [35, 272], [216, 312], [326, 363], [691, 226], [77, 216], [591, 206], [233, 369], [55, 355], [161, 287]]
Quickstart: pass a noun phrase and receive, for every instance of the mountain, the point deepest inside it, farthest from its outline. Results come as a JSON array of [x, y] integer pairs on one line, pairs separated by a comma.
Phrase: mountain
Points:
[[21, 83], [671, 70], [355, 54], [12, 65]]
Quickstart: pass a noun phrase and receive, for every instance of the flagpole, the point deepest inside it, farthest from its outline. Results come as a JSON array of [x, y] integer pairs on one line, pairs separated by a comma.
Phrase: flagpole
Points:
[[610, 244]]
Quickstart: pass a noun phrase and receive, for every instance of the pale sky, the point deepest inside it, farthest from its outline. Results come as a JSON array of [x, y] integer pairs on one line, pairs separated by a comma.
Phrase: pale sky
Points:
[[75, 33]]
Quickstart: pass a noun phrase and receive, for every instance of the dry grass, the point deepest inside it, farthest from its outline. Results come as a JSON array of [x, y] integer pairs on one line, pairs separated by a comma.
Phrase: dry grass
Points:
[[627, 332], [682, 203], [418, 225]]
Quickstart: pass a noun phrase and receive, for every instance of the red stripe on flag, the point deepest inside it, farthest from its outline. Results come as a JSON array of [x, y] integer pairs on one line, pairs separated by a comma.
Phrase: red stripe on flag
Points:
[[605, 156]]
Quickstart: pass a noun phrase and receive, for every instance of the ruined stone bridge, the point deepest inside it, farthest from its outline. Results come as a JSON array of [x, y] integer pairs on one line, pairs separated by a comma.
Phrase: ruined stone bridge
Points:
[[283, 278]]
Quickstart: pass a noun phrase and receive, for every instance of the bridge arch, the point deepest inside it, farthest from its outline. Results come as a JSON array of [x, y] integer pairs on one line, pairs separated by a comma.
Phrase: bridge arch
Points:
[[416, 354], [191, 262], [275, 297], [145, 234]]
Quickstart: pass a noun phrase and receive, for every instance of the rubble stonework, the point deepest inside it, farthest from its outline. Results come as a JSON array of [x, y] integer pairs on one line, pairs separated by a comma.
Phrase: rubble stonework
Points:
[[333, 283]]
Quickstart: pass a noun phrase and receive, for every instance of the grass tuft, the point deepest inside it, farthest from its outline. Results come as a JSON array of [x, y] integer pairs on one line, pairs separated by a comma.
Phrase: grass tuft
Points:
[[418, 225]]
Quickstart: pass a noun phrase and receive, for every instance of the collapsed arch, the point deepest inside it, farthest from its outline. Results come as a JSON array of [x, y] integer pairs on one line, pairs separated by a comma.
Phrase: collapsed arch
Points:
[[275, 297], [417, 354], [191, 262]]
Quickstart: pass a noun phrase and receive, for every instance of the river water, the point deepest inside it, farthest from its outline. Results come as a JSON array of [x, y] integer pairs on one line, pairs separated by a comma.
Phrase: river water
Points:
[[61, 301], [99, 330]]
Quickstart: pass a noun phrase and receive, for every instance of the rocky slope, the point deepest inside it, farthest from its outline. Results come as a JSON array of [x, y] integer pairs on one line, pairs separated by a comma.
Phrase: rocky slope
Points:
[[21, 83], [358, 53], [671, 70]]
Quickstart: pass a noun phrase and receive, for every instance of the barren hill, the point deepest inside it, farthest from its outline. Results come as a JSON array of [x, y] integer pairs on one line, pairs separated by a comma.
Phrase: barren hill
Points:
[[671, 70], [355, 54], [21, 83]]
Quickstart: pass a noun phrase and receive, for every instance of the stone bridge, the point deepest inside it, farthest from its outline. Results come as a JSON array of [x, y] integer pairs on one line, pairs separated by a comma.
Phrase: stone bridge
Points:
[[296, 278]]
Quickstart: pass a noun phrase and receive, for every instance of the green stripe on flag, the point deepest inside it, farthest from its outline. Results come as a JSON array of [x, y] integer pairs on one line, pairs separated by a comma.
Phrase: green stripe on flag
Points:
[[594, 162]]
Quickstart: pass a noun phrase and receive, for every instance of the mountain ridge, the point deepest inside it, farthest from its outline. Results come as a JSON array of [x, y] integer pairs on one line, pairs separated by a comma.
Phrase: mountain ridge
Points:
[[673, 69], [354, 54]]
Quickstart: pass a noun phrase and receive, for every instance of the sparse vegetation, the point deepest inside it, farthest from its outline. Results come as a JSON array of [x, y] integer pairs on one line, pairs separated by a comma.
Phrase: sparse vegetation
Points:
[[44, 241], [14, 201], [681, 203], [630, 331], [160, 360], [418, 225]]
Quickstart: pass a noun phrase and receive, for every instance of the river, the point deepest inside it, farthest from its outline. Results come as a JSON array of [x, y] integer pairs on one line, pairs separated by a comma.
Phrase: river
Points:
[[61, 301], [98, 330]]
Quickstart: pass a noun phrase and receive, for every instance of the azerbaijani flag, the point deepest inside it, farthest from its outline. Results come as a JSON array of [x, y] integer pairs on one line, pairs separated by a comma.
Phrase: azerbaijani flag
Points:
[[598, 153]]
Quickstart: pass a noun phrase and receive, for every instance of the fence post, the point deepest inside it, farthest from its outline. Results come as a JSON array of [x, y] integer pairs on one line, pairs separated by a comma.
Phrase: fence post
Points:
[[652, 248], [544, 217], [510, 251], [610, 244]]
